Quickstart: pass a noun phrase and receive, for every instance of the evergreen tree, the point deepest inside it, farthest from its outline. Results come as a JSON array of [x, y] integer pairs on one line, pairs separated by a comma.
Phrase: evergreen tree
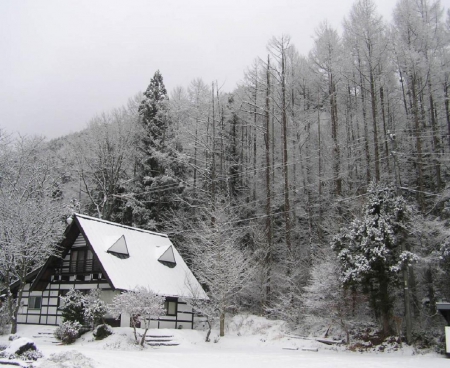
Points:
[[371, 249], [155, 120], [160, 167]]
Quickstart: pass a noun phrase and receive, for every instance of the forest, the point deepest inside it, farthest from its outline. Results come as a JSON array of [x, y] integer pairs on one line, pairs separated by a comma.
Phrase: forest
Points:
[[316, 192]]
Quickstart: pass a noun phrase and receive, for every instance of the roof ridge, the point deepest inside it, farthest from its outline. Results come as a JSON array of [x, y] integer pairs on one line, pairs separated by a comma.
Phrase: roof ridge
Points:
[[119, 225]]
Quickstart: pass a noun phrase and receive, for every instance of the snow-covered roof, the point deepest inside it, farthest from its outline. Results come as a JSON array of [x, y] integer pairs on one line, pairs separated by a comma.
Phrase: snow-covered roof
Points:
[[168, 276]]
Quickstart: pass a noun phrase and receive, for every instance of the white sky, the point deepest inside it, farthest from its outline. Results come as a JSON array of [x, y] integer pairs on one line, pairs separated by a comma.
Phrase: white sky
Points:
[[63, 61]]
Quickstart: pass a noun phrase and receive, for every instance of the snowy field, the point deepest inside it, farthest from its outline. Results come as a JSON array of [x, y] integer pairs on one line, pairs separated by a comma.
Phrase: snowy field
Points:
[[251, 342]]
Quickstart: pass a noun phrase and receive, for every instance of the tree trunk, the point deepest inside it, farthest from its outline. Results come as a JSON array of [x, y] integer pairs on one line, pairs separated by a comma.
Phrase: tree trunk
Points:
[[213, 160], [385, 305], [319, 144], [222, 324], [447, 110], [373, 100], [436, 141], [417, 132], [254, 136], [143, 337], [268, 256], [366, 129], [334, 135], [383, 116], [15, 307], [208, 334], [287, 206]]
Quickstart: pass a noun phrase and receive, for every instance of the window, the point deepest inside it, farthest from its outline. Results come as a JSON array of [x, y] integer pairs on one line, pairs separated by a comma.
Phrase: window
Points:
[[34, 302], [171, 307], [82, 260]]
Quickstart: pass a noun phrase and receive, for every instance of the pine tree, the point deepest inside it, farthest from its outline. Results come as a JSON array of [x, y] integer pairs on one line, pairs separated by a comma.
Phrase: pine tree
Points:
[[161, 168], [371, 250]]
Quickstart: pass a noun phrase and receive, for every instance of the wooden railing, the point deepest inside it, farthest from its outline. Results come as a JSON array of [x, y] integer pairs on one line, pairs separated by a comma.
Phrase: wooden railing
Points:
[[86, 266]]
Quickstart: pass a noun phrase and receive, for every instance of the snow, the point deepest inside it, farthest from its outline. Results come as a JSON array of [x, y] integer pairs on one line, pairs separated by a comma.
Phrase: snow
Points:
[[250, 342], [16, 344]]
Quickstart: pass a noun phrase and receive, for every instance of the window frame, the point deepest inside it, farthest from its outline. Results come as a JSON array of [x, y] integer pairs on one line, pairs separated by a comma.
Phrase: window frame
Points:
[[83, 260], [32, 302], [167, 306]]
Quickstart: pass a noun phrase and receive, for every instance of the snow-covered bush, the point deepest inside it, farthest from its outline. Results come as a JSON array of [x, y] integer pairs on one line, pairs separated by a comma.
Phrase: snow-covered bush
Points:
[[94, 308], [68, 331], [142, 304], [84, 309], [31, 355], [102, 331], [72, 306], [21, 348], [72, 359]]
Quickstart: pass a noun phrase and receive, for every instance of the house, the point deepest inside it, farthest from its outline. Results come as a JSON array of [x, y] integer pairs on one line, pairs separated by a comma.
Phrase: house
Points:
[[112, 257]]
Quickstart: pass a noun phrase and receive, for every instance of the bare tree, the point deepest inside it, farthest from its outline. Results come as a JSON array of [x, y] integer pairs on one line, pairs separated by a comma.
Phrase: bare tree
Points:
[[103, 156], [141, 305], [31, 215], [217, 260]]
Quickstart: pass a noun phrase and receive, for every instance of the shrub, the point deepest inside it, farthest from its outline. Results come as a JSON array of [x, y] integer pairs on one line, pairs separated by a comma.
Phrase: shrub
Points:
[[102, 331], [86, 309], [21, 348], [70, 358], [31, 355], [72, 306], [68, 331], [94, 308]]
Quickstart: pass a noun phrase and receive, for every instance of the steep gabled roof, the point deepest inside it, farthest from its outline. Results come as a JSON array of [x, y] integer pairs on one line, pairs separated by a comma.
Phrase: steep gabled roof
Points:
[[142, 265]]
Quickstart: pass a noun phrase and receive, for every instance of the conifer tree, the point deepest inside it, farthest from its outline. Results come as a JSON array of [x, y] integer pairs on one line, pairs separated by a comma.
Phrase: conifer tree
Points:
[[371, 249], [160, 167]]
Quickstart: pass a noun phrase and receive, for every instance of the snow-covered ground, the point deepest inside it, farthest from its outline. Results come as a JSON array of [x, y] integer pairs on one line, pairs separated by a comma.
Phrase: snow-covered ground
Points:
[[251, 342]]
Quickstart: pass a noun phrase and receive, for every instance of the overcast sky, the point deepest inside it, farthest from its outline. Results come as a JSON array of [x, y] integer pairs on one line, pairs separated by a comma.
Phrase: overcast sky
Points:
[[64, 61]]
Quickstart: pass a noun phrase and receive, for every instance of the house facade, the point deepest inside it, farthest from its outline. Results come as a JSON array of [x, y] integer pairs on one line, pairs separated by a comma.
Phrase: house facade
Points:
[[98, 254]]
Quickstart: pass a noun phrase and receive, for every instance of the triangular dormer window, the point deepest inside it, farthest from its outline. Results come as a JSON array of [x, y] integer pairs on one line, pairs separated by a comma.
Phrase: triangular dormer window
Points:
[[120, 248], [168, 258]]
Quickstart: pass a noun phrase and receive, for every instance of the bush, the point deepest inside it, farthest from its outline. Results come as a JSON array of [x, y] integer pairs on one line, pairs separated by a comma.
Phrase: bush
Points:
[[68, 331], [72, 306], [94, 308], [21, 348], [86, 309], [31, 355], [102, 331], [70, 358]]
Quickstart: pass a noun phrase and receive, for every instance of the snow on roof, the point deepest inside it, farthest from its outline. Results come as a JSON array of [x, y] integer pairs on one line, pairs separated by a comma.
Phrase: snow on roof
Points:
[[142, 267]]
